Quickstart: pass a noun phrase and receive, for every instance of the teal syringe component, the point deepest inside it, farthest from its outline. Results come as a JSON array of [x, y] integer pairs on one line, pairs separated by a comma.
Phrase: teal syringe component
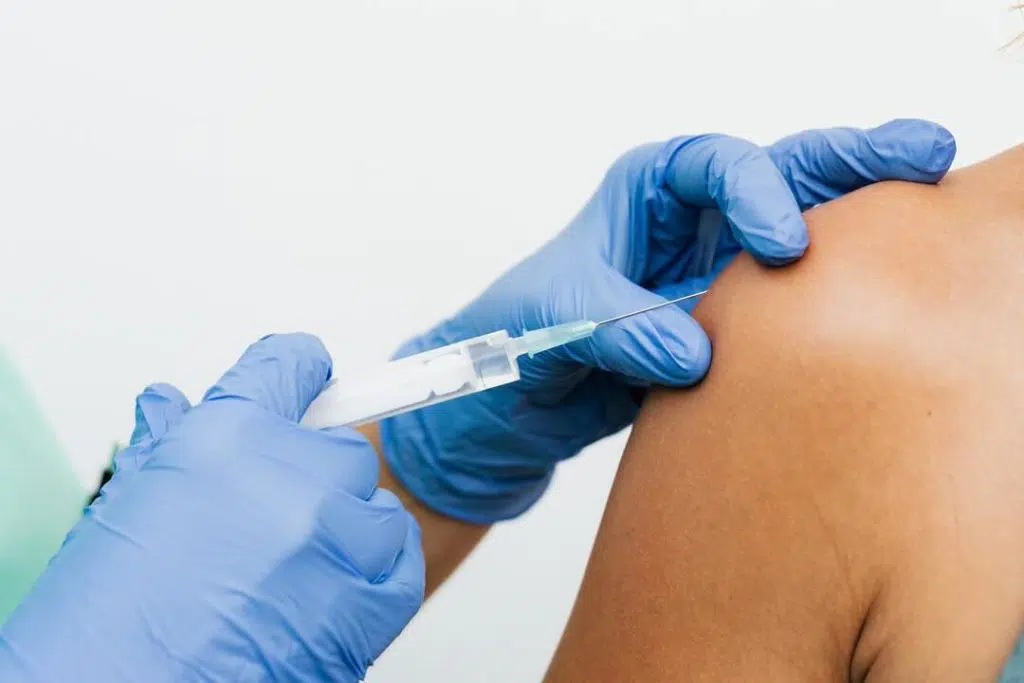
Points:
[[446, 373]]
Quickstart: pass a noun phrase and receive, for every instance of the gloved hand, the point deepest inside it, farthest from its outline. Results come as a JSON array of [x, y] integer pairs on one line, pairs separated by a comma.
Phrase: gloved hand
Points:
[[654, 230], [230, 545]]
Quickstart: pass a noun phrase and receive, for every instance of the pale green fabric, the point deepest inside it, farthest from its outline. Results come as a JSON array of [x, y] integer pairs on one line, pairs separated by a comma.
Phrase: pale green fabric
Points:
[[40, 496]]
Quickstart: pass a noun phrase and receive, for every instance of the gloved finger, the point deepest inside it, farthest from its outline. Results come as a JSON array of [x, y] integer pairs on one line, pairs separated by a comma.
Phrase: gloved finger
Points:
[[675, 291], [611, 401], [399, 596], [367, 534], [342, 458], [740, 179], [820, 165], [281, 373], [158, 408], [665, 346], [698, 283], [410, 567], [408, 577]]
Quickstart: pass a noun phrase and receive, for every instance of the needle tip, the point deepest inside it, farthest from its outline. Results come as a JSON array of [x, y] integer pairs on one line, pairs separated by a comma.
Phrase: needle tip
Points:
[[652, 308]]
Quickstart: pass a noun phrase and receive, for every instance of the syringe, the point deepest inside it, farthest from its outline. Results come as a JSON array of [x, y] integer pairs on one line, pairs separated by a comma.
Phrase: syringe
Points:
[[446, 373]]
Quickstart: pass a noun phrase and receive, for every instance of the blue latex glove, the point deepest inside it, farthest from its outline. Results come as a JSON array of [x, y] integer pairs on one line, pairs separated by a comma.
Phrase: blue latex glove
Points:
[[230, 545], [653, 230]]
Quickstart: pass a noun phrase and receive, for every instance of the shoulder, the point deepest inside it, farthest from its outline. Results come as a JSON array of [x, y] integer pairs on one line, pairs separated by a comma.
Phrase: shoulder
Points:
[[840, 498], [878, 382]]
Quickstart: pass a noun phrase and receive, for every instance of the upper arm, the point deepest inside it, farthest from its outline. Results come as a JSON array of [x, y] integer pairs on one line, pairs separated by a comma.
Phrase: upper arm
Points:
[[840, 489]]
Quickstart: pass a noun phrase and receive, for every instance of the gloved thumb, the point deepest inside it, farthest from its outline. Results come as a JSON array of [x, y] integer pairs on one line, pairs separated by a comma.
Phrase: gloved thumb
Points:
[[281, 373], [367, 535], [158, 408], [666, 346]]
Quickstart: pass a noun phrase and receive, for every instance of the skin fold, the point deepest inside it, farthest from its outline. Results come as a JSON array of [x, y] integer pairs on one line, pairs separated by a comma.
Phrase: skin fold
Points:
[[842, 499]]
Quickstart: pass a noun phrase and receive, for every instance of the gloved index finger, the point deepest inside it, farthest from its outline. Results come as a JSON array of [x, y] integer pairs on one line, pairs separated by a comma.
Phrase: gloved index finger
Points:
[[280, 373], [739, 178], [821, 165]]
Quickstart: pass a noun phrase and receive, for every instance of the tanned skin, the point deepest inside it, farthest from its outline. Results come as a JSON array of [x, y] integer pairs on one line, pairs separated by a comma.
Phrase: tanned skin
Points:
[[842, 499]]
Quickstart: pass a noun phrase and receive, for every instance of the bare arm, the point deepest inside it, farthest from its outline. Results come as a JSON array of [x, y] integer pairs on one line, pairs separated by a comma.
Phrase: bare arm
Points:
[[841, 499]]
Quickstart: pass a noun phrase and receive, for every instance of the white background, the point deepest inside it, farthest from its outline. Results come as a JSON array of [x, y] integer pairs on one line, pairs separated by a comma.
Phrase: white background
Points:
[[179, 178]]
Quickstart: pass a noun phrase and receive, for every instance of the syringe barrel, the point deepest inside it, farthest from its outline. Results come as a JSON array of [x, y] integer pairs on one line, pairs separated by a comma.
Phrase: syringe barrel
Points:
[[413, 382]]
